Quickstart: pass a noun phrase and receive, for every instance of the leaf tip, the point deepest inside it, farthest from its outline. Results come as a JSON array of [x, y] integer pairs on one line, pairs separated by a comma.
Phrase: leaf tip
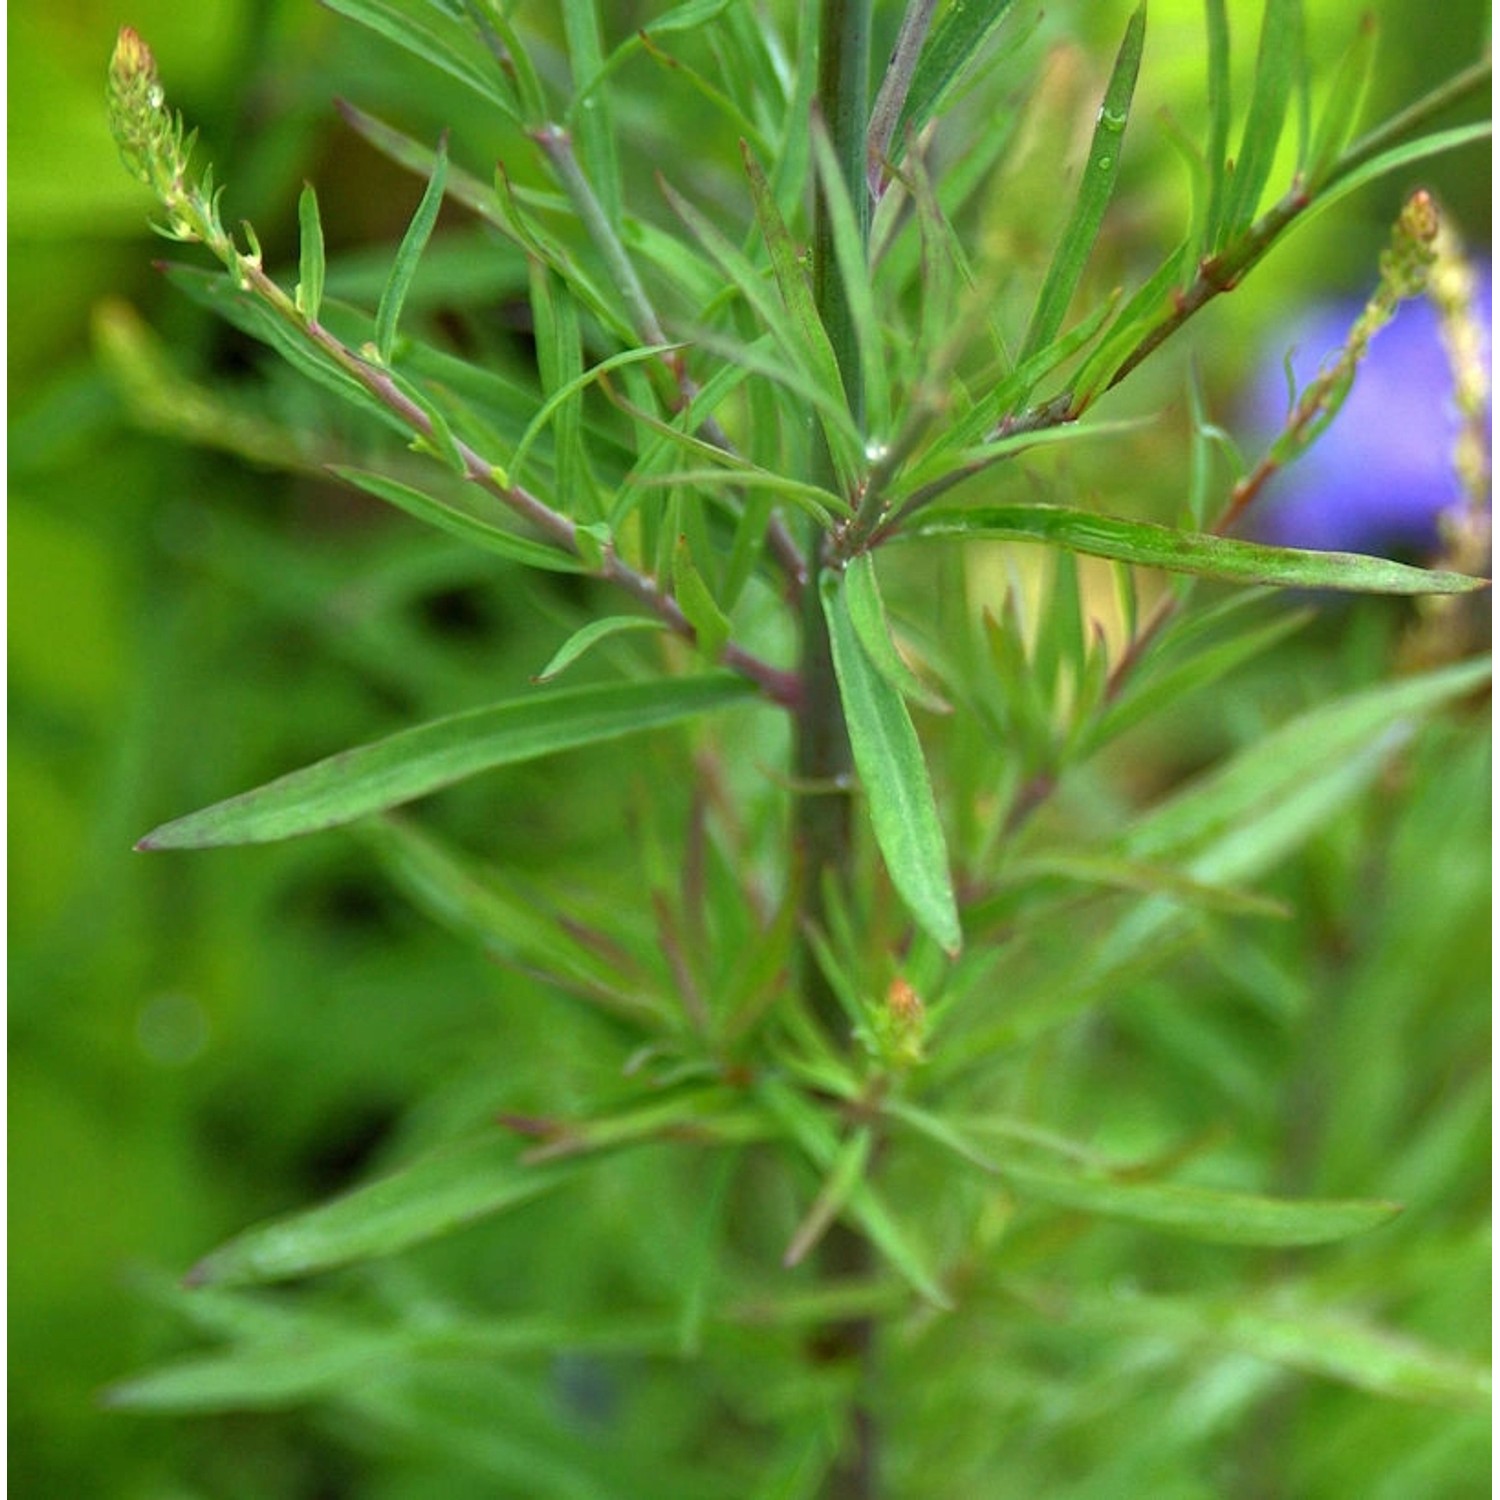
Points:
[[199, 1275]]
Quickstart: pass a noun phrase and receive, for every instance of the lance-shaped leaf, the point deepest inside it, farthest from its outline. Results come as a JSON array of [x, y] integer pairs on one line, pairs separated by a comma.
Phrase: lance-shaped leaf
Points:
[[1219, 113], [1247, 789], [1348, 175], [1149, 545], [854, 272], [588, 635], [431, 1197], [698, 603], [867, 612], [593, 124], [404, 766], [816, 350], [815, 1136], [462, 520], [1346, 98], [245, 311], [1276, 67], [514, 921], [888, 757], [312, 261], [953, 45], [1292, 1329], [1099, 174], [435, 37], [847, 1171], [1222, 1218], [404, 268]]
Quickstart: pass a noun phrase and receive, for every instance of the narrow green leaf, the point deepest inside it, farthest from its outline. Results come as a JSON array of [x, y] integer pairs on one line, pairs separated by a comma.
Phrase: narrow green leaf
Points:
[[1346, 100], [735, 117], [261, 1376], [815, 1136], [859, 292], [311, 1357], [438, 440], [413, 242], [1010, 394], [313, 261], [512, 921], [1139, 875], [251, 316], [1301, 1334], [701, 1270], [436, 38], [1220, 113], [698, 603], [467, 522], [955, 42], [867, 614], [709, 1114], [1277, 65], [1277, 763], [1060, 647], [431, 1197], [1287, 812], [414, 762], [939, 465], [589, 635], [566, 394], [819, 503], [559, 351], [818, 1303], [1150, 545], [1221, 1218], [519, 70], [1206, 437], [844, 1174], [592, 123], [1146, 306], [1343, 1347], [751, 285], [1153, 689], [937, 1128], [1028, 719], [1344, 181], [681, 263], [503, 206], [811, 346], [732, 471], [888, 757], [1094, 192], [688, 15]]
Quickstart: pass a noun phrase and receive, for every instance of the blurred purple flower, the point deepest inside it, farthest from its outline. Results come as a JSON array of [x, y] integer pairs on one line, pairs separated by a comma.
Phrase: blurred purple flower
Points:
[[1381, 474]]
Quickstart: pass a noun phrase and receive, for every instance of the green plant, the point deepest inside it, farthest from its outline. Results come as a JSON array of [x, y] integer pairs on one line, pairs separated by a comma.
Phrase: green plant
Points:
[[833, 1041]]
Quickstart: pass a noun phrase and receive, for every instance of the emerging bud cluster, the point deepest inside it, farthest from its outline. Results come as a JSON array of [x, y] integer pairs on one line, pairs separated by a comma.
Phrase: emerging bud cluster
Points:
[[152, 145]]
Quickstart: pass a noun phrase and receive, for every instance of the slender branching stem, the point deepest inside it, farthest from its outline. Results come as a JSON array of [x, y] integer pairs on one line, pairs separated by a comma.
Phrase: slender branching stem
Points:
[[1224, 271], [780, 686], [156, 150]]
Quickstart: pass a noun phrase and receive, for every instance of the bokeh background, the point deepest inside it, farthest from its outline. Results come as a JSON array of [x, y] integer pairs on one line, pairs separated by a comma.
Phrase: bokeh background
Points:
[[199, 1041]]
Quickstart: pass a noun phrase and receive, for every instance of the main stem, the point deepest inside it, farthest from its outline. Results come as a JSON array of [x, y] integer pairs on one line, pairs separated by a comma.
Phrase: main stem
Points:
[[824, 762]]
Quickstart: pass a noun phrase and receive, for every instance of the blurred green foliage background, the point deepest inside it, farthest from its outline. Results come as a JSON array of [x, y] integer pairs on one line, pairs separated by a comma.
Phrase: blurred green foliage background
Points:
[[199, 1041]]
